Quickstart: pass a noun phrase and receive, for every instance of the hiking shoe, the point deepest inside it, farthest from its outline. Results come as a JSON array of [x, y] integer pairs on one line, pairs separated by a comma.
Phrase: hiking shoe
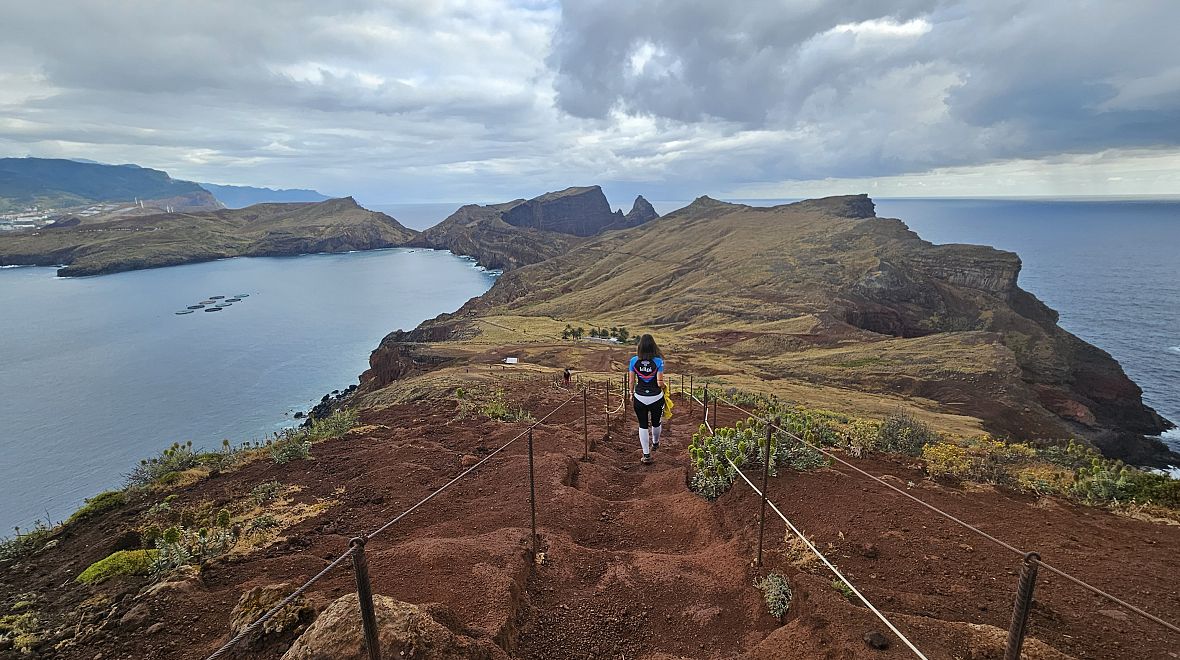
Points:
[[655, 445], [646, 460]]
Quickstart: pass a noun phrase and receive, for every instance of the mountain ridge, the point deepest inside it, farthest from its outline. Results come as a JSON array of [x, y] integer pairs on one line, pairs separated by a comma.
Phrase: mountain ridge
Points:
[[237, 197], [58, 182], [789, 293], [118, 244]]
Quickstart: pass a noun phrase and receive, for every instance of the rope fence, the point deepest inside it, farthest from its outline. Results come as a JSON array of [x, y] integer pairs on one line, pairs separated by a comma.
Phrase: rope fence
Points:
[[1031, 559], [832, 567], [356, 550], [356, 553]]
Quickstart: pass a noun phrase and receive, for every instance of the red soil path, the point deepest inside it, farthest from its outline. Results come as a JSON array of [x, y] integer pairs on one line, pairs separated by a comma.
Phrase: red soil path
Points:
[[635, 565]]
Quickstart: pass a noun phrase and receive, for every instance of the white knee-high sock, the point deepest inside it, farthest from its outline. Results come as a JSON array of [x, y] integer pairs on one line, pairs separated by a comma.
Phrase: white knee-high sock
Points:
[[643, 440], [655, 434]]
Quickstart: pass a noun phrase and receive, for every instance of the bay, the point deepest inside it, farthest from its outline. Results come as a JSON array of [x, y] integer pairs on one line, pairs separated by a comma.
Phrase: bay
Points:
[[97, 373]]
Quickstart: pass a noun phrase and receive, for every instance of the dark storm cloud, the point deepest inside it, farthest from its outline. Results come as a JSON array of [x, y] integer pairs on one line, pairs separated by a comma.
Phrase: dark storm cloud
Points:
[[885, 86], [478, 100]]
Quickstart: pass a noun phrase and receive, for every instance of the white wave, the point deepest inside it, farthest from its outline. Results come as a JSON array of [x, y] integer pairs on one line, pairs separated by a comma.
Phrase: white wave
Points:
[[1174, 349]]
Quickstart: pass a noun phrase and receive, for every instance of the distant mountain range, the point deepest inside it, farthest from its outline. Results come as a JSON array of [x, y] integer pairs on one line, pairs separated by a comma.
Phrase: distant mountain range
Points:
[[57, 183], [236, 197]]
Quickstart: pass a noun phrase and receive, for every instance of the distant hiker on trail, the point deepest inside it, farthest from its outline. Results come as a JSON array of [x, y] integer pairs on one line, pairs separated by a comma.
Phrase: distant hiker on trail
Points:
[[565, 376], [647, 369]]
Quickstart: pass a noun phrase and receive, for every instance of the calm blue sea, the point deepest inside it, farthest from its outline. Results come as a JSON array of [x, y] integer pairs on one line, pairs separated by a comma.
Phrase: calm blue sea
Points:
[[97, 373]]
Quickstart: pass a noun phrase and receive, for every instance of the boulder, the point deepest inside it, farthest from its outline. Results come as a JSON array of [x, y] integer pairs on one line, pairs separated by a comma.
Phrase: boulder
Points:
[[405, 631], [290, 620]]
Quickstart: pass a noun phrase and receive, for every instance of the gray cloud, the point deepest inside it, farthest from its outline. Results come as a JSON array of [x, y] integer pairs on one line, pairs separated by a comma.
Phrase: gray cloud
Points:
[[477, 100]]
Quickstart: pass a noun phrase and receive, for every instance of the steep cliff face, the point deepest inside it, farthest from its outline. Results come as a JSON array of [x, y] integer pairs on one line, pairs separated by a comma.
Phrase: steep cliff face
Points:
[[523, 232], [946, 323], [577, 211], [641, 212]]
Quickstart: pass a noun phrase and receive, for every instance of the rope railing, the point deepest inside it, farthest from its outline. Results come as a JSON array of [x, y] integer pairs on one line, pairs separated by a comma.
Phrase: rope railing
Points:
[[829, 564], [1030, 557], [357, 545]]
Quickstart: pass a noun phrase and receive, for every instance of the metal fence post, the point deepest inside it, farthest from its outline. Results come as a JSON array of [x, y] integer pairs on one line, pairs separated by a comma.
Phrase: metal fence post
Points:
[[1020, 611], [705, 405], [606, 392], [364, 592], [691, 391], [532, 499], [765, 479], [715, 397], [586, 422]]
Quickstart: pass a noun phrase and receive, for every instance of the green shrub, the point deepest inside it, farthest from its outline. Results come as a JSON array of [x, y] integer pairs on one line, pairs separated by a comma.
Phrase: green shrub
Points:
[[333, 426], [777, 592], [179, 546], [980, 459], [1073, 455], [165, 467], [23, 544], [1112, 482], [502, 412], [123, 562], [99, 504], [843, 588], [262, 524], [225, 458], [267, 491], [23, 630], [904, 434], [290, 445]]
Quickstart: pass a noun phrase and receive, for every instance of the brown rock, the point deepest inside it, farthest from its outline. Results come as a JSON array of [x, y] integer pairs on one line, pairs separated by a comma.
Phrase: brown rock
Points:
[[135, 617], [469, 460], [404, 630], [259, 600], [876, 640]]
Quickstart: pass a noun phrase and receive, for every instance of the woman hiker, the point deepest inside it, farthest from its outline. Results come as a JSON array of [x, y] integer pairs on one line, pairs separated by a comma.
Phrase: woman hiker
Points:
[[647, 369]]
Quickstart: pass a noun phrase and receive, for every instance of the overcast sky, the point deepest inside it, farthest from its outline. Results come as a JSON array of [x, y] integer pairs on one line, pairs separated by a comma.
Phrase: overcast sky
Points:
[[480, 100]]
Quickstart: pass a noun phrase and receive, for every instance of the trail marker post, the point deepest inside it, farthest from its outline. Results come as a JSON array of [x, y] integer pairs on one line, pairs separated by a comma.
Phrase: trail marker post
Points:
[[532, 501], [705, 405], [765, 479], [606, 392], [364, 593], [1020, 611]]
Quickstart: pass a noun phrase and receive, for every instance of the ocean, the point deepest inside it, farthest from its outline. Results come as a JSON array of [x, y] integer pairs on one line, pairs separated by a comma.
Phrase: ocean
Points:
[[97, 373]]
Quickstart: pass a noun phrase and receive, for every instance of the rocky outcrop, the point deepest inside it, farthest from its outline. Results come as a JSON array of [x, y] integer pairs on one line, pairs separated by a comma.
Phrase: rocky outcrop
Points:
[[404, 631], [523, 232], [641, 212], [577, 211]]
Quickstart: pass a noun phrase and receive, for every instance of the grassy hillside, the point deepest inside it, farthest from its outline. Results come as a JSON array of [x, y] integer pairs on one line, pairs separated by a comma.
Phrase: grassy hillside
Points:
[[131, 243], [824, 302]]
